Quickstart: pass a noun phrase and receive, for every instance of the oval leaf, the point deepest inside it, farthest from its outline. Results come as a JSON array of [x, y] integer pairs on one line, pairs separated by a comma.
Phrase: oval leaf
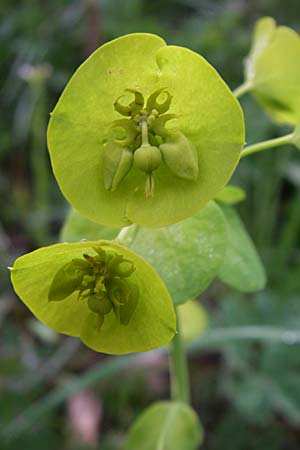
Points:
[[193, 320], [187, 255], [166, 426], [145, 324], [242, 267], [95, 99], [231, 195]]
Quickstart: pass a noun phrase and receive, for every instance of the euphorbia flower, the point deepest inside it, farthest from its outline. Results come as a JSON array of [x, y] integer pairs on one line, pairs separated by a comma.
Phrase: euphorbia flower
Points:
[[144, 133], [273, 70], [99, 291]]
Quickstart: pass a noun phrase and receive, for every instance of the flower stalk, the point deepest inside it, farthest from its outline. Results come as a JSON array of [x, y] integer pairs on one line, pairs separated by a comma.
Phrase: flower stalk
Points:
[[270, 143], [180, 385], [242, 89]]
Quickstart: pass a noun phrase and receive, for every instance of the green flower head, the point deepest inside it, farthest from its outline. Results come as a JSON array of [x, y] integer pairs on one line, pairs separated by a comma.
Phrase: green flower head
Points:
[[273, 68], [100, 291], [144, 133]]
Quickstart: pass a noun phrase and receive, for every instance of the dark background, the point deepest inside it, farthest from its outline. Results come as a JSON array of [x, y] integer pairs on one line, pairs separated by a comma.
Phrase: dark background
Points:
[[247, 392]]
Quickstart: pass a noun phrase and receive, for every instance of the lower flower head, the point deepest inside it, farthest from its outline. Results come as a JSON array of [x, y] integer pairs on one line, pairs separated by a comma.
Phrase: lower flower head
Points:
[[99, 291]]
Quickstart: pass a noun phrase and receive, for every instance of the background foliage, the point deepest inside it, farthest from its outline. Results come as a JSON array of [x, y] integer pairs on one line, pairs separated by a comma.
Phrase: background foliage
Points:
[[245, 369]]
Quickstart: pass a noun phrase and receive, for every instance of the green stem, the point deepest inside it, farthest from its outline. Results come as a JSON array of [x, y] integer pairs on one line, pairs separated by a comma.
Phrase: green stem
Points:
[[144, 126], [242, 89], [180, 387], [260, 146]]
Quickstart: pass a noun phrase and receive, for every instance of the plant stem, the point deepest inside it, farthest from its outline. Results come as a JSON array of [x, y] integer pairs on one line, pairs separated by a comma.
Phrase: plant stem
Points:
[[180, 387], [242, 89], [144, 126], [287, 139]]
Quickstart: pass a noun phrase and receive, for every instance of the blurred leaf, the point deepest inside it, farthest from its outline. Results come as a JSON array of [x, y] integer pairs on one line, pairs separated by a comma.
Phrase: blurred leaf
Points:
[[234, 432], [44, 435], [258, 396], [166, 426], [33, 413], [188, 254], [77, 227], [273, 68], [41, 331], [242, 267], [193, 320], [261, 377], [250, 398]]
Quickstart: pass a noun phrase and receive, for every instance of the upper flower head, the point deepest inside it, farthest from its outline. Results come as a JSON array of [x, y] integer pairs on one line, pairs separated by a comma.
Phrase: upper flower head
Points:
[[144, 133]]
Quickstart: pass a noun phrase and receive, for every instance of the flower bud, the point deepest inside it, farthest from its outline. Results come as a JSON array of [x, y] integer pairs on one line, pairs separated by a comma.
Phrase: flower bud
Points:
[[180, 156], [117, 162]]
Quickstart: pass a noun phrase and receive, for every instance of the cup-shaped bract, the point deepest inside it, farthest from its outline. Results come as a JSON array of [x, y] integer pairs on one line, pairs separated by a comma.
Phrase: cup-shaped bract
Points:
[[135, 91], [99, 291], [273, 70]]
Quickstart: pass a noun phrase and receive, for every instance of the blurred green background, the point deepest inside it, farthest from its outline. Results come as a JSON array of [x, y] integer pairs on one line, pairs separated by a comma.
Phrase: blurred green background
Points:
[[56, 394]]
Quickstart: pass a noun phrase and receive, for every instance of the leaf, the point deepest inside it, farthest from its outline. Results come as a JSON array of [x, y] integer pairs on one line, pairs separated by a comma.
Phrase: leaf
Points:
[[271, 384], [151, 324], [207, 114], [242, 267], [187, 255], [231, 195], [273, 68], [77, 227], [166, 426], [193, 320]]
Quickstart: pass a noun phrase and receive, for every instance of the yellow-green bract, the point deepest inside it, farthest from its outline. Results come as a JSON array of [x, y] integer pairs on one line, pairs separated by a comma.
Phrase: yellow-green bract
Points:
[[141, 78], [152, 323], [273, 70]]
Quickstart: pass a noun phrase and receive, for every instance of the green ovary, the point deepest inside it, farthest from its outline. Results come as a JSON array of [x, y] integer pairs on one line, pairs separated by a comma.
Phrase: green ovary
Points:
[[147, 143], [103, 281]]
